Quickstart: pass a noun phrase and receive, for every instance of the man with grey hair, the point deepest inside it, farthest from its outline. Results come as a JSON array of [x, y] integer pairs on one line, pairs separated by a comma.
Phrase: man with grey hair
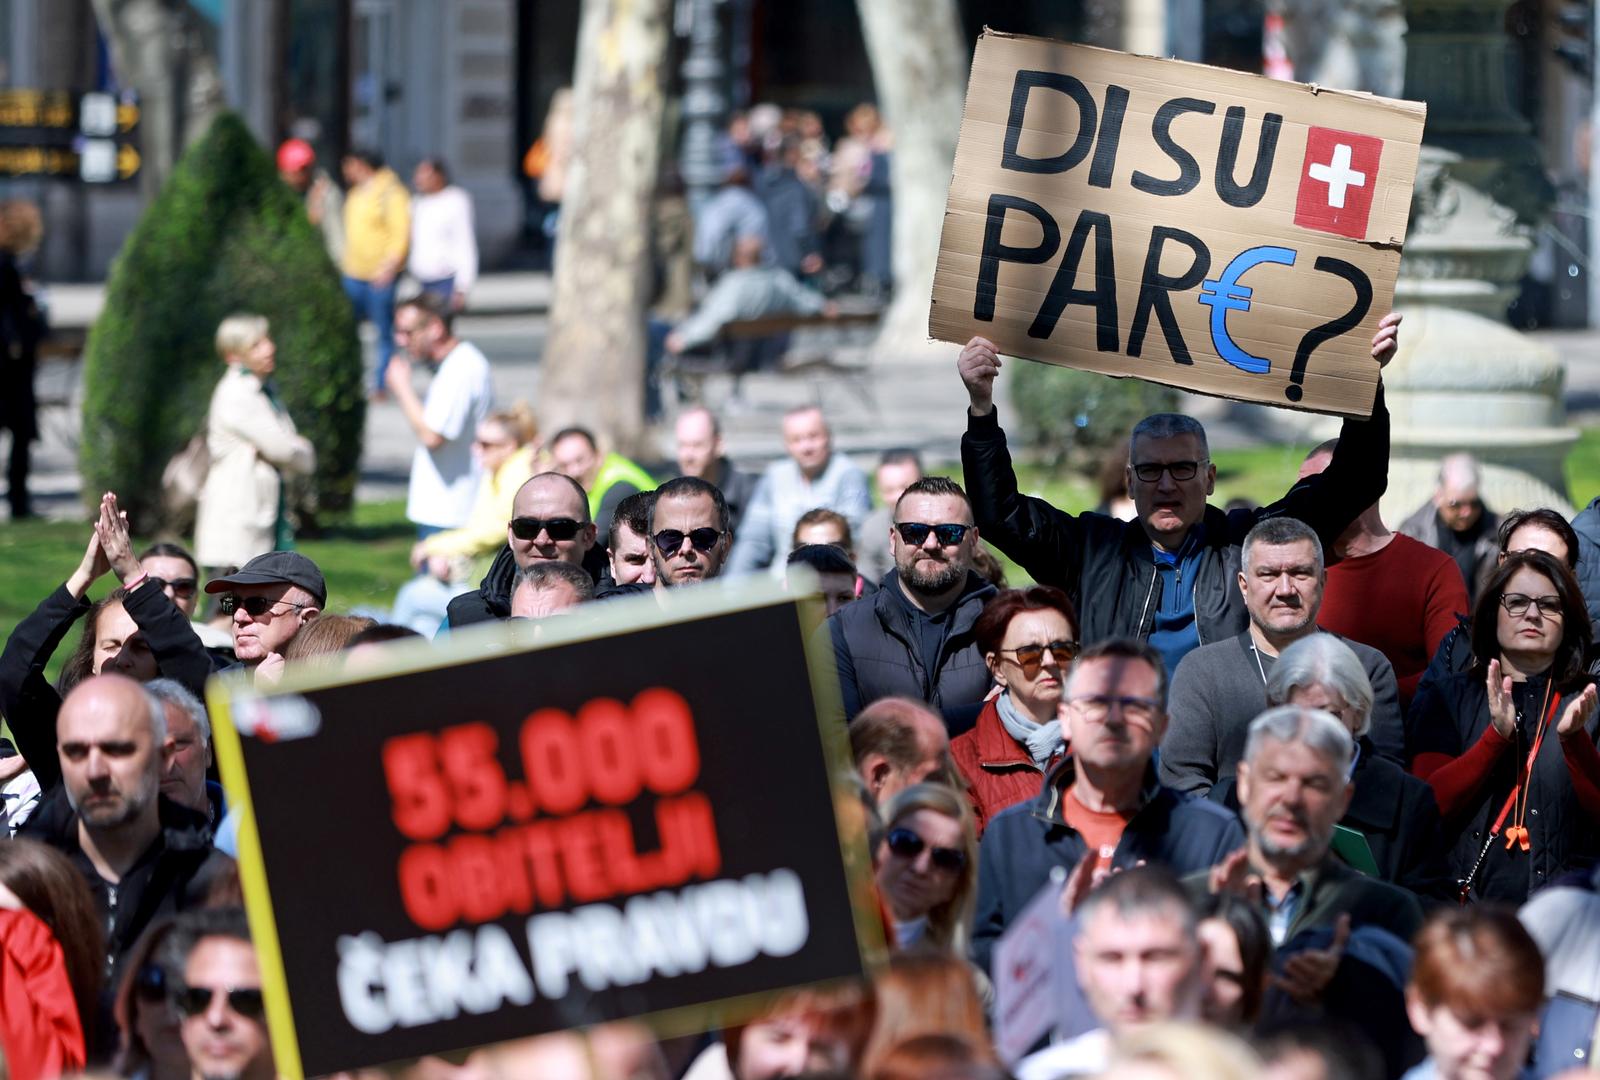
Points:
[[138, 852], [1166, 577], [1456, 521], [188, 751], [1220, 687], [549, 588]]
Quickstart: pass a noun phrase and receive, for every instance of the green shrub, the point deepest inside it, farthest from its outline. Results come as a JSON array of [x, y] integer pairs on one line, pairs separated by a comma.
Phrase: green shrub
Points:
[[1078, 415], [224, 235]]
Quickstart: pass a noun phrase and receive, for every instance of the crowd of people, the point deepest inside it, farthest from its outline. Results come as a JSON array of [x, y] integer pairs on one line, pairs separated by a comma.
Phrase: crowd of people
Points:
[[1315, 798]]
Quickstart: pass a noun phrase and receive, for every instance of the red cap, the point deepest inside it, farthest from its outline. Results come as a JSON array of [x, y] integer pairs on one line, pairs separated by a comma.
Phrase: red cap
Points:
[[294, 155]]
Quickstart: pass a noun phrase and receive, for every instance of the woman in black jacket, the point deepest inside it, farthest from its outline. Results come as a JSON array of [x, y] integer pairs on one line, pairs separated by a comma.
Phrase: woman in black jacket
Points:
[[1393, 810], [1509, 745]]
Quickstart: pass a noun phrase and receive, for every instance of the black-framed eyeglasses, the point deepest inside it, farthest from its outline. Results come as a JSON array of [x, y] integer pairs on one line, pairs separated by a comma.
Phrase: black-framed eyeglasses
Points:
[[1096, 707], [1030, 658], [183, 587], [1517, 605], [151, 982], [908, 845], [669, 541], [916, 533], [1150, 472], [560, 529], [194, 1000], [254, 606]]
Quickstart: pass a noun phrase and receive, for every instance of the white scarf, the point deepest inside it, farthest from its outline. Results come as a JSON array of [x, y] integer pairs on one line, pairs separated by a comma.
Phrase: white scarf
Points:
[[1043, 741]]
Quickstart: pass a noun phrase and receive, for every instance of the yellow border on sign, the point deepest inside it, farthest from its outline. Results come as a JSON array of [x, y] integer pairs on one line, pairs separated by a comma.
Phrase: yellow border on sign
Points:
[[475, 643], [253, 876]]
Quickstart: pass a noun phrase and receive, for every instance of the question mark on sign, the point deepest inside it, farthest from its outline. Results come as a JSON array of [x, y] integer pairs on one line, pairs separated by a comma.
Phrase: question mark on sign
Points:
[[1333, 328]]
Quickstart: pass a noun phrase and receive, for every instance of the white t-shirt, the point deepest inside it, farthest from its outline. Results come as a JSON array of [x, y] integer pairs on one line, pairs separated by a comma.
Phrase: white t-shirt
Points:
[[444, 481]]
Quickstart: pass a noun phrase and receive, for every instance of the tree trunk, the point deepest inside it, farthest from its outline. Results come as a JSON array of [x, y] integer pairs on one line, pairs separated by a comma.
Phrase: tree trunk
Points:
[[919, 65], [593, 367], [166, 52]]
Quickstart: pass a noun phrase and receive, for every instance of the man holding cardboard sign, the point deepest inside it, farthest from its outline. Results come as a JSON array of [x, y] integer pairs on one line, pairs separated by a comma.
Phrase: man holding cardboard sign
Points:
[[1207, 229]]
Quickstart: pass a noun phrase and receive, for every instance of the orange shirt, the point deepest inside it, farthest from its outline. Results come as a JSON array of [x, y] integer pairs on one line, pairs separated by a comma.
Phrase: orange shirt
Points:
[[1102, 831]]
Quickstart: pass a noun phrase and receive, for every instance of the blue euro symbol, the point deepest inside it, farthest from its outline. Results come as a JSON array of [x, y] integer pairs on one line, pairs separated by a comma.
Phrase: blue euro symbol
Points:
[[1225, 294]]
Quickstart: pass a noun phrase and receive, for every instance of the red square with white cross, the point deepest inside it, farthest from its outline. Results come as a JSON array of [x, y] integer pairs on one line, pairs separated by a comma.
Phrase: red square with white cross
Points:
[[1337, 180]]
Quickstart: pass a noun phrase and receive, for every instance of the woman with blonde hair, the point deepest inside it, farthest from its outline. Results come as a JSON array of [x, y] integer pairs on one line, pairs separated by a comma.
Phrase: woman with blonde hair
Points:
[[507, 445], [253, 445], [928, 871]]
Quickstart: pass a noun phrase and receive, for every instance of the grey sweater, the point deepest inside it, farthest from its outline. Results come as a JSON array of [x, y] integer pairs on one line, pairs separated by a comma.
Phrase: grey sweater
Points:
[[1218, 689]]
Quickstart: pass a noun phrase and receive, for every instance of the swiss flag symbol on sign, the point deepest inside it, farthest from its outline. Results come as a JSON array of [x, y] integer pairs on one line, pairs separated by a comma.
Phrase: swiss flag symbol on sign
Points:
[[1337, 180]]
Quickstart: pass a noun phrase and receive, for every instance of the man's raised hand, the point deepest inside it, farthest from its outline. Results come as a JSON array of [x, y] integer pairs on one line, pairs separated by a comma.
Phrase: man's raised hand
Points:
[[978, 364]]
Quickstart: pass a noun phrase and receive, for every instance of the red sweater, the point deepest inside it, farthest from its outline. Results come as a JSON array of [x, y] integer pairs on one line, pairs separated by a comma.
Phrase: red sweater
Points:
[[1401, 600]]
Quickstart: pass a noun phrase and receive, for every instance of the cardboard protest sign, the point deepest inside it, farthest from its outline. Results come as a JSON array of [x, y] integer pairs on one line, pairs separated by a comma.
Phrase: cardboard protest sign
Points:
[[1217, 231], [633, 818]]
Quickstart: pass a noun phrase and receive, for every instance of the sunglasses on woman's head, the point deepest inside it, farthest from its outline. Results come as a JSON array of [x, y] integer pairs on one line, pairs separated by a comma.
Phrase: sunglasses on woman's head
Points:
[[908, 845]]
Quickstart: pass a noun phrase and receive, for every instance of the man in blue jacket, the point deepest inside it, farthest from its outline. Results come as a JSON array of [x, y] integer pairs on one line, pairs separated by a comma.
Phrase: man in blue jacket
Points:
[[1102, 806]]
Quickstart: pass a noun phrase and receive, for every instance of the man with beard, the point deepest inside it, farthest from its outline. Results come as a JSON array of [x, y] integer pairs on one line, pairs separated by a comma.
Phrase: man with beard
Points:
[[914, 636], [689, 532], [1220, 687], [137, 850], [1293, 788]]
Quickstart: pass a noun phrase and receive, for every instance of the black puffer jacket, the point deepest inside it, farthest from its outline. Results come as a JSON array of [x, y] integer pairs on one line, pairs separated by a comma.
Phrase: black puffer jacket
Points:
[[878, 650], [1106, 565], [493, 598]]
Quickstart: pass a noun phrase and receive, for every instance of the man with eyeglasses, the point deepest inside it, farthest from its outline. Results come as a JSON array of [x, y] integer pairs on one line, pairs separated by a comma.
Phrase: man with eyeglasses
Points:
[[1166, 577], [444, 474], [270, 599], [1222, 686], [215, 993], [915, 637], [690, 533], [1456, 521], [1102, 808], [549, 521]]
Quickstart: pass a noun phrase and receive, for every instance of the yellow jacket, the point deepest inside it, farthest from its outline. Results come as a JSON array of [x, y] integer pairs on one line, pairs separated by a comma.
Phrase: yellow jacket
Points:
[[377, 226], [485, 530]]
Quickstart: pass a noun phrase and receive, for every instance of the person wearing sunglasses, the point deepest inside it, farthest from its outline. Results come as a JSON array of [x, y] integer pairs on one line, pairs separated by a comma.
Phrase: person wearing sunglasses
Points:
[[149, 1046], [928, 867], [269, 599], [1102, 807], [1167, 576], [689, 532], [1029, 639], [216, 992], [1509, 745], [914, 637], [549, 520]]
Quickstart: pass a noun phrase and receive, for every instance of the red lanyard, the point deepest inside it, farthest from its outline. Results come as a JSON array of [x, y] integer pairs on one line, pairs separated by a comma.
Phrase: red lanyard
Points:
[[1517, 834]]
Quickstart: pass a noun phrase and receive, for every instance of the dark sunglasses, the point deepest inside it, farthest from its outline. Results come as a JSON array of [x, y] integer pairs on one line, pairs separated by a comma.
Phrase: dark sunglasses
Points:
[[908, 845], [669, 541], [151, 983], [254, 606], [181, 587], [916, 533], [560, 529], [1030, 658], [194, 1000]]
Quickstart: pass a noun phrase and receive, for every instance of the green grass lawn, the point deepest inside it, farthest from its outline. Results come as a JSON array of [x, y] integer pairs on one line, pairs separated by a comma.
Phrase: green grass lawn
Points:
[[364, 560]]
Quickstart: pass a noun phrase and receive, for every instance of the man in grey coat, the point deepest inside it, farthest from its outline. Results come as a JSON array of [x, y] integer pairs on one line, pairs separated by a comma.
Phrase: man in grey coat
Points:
[[1220, 688]]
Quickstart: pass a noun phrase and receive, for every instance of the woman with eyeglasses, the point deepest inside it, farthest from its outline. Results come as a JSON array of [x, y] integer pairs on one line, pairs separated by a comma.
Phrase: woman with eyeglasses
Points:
[[149, 1045], [1509, 745], [928, 869], [253, 445], [1028, 638], [35, 962]]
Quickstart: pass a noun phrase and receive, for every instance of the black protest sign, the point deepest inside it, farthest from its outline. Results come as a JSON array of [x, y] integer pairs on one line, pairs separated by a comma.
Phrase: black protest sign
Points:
[[1217, 231], [637, 822]]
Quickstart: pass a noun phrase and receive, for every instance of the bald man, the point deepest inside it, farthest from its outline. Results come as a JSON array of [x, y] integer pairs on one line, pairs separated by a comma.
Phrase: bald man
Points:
[[550, 520], [138, 851], [1457, 522]]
